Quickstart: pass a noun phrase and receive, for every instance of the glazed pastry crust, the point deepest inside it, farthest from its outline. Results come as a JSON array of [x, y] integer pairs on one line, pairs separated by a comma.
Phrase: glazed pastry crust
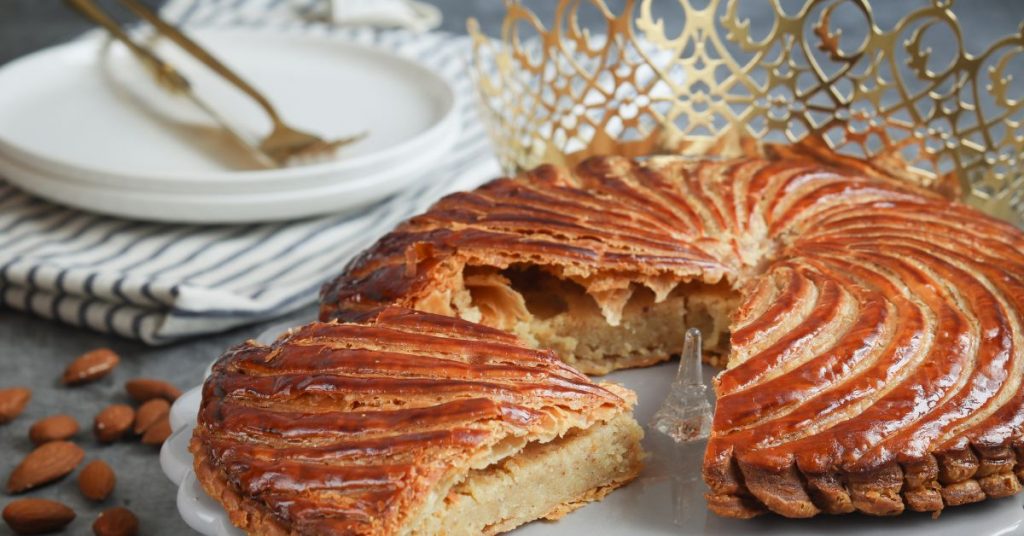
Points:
[[875, 343], [365, 428]]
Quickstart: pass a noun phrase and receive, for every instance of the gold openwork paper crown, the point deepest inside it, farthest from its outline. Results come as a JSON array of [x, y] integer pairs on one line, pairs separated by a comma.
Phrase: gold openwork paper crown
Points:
[[558, 92]]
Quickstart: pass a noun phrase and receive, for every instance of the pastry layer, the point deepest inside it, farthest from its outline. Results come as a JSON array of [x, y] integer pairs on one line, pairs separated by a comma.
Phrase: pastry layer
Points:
[[544, 480], [366, 428]]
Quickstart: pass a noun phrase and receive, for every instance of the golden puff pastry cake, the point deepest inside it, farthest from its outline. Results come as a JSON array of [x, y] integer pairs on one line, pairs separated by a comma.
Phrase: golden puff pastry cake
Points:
[[871, 330], [407, 423]]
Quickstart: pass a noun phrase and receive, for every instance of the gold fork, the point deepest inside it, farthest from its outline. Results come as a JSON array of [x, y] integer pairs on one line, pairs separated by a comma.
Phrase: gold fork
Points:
[[284, 144]]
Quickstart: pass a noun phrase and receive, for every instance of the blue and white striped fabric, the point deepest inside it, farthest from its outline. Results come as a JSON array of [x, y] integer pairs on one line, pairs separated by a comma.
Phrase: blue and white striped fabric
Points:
[[162, 282]]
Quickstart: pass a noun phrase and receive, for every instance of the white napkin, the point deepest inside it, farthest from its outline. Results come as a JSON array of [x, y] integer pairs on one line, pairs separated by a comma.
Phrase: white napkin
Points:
[[408, 14]]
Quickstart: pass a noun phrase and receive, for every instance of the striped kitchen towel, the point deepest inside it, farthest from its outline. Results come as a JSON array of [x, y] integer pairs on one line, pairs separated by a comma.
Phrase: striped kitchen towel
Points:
[[161, 282]]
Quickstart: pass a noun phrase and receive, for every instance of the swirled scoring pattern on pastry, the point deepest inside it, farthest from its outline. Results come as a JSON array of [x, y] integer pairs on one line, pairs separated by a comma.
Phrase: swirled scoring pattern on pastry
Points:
[[874, 341]]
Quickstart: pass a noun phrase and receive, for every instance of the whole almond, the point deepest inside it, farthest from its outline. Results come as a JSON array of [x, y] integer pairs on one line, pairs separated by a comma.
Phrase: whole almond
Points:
[[111, 423], [158, 432], [53, 428], [96, 481], [12, 402], [37, 516], [116, 521], [145, 389], [149, 413], [48, 462], [90, 366]]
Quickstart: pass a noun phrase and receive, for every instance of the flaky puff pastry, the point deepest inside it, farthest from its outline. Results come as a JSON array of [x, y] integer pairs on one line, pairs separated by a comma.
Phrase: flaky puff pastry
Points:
[[876, 356], [365, 428]]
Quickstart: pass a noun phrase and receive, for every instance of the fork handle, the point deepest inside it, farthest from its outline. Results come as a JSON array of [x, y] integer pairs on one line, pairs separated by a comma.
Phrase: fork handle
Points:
[[200, 54], [165, 72]]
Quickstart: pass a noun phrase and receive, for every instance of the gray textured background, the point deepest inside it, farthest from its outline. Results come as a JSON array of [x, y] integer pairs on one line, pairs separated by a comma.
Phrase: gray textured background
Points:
[[33, 352]]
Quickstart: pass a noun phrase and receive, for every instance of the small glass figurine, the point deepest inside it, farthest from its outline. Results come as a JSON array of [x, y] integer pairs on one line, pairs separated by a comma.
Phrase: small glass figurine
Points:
[[686, 414]]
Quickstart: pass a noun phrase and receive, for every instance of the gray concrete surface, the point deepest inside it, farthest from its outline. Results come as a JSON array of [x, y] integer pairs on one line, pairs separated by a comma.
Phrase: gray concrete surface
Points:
[[33, 352]]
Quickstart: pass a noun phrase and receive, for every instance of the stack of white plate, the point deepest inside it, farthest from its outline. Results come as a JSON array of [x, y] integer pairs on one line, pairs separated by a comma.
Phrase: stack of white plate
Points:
[[84, 125]]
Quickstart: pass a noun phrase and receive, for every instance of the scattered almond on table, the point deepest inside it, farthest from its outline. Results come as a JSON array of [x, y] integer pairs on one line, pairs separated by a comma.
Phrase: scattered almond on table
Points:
[[90, 366], [55, 457], [116, 521], [158, 433], [149, 413], [12, 402], [53, 428], [145, 389], [112, 422], [48, 462], [97, 480], [37, 516]]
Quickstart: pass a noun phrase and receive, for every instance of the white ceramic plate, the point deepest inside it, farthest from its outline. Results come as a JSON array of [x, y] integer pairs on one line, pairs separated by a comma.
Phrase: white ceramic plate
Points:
[[186, 205], [87, 113], [667, 499]]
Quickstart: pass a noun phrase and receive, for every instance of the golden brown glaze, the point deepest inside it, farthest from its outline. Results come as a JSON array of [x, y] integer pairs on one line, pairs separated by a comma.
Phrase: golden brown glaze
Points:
[[605, 221], [349, 428], [912, 399], [876, 361]]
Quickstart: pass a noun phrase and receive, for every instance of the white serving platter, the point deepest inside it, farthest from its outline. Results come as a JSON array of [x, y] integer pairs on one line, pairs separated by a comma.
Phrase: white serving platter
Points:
[[667, 498], [89, 119]]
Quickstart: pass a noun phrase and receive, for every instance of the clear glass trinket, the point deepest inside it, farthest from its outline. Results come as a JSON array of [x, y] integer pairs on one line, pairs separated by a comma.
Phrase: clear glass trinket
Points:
[[685, 415]]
